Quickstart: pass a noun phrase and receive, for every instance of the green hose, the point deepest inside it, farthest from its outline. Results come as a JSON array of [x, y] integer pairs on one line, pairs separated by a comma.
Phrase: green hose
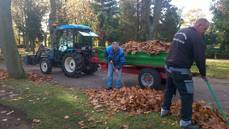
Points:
[[218, 104]]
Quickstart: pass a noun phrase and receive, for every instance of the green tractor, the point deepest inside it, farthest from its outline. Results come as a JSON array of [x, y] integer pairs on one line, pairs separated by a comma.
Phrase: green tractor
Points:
[[71, 50]]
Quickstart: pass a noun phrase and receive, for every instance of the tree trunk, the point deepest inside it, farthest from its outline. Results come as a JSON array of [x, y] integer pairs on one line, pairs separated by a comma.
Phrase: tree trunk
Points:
[[9, 48], [156, 18], [23, 39], [146, 12], [32, 46], [27, 42], [138, 19], [19, 39], [52, 19], [45, 40]]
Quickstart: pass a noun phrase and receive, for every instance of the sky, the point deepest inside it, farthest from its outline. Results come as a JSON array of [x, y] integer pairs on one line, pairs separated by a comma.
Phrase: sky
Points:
[[186, 5]]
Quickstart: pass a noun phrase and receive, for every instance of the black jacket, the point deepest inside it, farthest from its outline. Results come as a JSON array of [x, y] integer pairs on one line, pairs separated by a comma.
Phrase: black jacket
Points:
[[187, 47]]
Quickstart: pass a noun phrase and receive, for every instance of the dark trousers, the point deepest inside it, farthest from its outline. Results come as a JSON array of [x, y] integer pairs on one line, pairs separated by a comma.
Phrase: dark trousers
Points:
[[184, 84]]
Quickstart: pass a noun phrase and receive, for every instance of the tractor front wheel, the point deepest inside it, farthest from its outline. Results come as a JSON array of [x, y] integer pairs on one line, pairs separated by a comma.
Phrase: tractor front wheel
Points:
[[45, 66], [72, 65]]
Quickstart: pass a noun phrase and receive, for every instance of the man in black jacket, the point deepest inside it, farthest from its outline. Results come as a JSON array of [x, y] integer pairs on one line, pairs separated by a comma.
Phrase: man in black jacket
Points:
[[187, 47]]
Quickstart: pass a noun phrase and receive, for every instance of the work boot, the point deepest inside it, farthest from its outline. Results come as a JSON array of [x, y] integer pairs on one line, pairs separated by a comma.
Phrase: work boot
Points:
[[109, 88], [164, 112], [118, 87], [188, 125], [191, 126]]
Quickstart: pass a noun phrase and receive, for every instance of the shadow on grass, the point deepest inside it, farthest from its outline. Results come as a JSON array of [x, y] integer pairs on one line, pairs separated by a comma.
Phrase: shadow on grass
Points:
[[51, 103]]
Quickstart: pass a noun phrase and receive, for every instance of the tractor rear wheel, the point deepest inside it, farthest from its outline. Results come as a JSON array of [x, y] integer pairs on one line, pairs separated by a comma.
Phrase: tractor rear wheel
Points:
[[90, 68], [72, 64]]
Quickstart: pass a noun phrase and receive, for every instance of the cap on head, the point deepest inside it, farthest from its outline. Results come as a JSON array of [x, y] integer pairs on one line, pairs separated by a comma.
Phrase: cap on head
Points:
[[201, 25]]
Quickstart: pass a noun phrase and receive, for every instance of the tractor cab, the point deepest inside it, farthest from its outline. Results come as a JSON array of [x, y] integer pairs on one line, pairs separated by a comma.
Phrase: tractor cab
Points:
[[72, 50], [69, 37]]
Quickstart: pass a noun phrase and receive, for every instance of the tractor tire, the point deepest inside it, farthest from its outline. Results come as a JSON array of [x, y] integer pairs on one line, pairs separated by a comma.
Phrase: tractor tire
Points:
[[90, 68], [45, 66], [149, 78], [72, 64]]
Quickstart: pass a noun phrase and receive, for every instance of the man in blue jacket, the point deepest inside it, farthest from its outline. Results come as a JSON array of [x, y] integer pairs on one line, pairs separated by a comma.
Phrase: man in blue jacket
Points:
[[115, 59]]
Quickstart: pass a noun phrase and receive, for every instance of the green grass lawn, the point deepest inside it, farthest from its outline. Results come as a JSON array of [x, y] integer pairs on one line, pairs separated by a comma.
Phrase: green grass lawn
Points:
[[50, 103], [216, 68]]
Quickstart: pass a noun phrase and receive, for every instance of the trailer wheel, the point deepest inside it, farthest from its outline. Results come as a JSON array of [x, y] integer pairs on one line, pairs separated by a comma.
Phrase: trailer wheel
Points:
[[149, 78], [72, 65], [45, 66]]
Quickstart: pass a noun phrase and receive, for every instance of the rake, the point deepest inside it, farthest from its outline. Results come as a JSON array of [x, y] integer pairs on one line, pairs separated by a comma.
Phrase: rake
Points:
[[218, 104]]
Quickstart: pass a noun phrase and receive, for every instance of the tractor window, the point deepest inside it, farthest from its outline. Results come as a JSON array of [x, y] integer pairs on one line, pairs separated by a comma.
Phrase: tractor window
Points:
[[83, 40], [87, 40], [65, 40]]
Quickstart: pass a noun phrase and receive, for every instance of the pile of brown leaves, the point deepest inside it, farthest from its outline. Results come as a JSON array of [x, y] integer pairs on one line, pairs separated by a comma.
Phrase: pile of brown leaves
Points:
[[3, 74], [136, 101], [205, 116], [39, 78], [133, 100], [149, 47]]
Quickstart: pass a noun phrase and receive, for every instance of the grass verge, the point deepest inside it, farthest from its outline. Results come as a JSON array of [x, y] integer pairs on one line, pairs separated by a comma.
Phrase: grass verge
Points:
[[216, 69], [51, 103]]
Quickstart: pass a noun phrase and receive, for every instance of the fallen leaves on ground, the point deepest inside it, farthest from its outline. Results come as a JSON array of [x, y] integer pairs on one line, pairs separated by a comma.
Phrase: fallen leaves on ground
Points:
[[66, 117], [3, 74], [148, 47], [9, 113], [137, 101], [8, 94], [125, 127], [39, 78], [205, 116], [36, 121], [82, 125], [4, 111], [4, 120], [32, 76]]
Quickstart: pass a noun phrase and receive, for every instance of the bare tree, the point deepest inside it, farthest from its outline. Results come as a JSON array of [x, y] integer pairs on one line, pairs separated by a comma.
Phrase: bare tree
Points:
[[156, 17], [52, 17], [7, 39], [146, 14]]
